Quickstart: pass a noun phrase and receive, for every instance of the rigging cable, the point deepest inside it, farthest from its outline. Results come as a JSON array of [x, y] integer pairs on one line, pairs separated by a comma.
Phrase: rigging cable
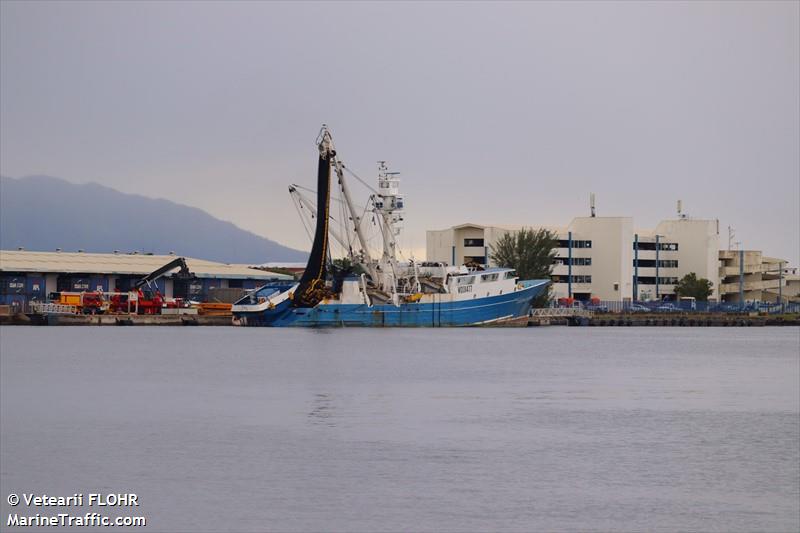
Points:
[[364, 183], [312, 191], [298, 207]]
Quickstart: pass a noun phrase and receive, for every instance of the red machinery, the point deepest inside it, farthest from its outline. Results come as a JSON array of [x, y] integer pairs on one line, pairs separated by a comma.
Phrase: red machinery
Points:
[[142, 299]]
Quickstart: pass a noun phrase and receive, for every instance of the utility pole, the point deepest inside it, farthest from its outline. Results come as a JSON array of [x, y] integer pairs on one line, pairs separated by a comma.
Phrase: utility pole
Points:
[[658, 246], [636, 267], [741, 278], [569, 265]]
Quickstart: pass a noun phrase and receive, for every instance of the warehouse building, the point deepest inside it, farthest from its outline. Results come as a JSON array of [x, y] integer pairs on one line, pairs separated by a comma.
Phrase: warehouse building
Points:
[[31, 276], [607, 258]]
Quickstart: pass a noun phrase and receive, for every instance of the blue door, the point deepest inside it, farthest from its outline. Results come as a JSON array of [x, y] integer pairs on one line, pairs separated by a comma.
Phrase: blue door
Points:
[[97, 283], [36, 288]]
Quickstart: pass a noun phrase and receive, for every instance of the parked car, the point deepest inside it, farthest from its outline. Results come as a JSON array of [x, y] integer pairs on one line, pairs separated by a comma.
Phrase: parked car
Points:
[[599, 308], [638, 308], [666, 308]]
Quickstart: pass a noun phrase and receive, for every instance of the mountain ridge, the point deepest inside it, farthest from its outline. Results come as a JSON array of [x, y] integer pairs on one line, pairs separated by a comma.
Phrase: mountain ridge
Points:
[[98, 218]]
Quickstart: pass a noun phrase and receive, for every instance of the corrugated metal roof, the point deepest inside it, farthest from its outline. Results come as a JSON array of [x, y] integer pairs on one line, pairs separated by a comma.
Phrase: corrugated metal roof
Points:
[[282, 265], [121, 264]]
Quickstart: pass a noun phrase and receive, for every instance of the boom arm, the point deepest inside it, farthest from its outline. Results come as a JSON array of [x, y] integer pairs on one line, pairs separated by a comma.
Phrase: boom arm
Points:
[[172, 265]]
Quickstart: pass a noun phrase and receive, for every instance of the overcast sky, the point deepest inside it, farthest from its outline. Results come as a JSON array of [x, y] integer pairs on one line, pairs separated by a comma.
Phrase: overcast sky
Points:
[[494, 113]]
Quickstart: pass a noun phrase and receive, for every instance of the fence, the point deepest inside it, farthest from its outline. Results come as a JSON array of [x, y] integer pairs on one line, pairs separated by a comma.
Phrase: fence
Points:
[[41, 308], [686, 307]]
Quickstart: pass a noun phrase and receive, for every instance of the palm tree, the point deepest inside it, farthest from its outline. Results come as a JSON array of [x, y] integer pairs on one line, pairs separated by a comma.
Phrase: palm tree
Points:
[[530, 252]]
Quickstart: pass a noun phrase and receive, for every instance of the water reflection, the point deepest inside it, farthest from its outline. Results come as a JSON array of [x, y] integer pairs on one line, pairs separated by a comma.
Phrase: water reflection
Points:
[[322, 410]]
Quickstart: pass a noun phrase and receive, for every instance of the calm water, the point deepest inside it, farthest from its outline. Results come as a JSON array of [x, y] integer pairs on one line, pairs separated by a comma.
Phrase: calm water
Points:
[[224, 429]]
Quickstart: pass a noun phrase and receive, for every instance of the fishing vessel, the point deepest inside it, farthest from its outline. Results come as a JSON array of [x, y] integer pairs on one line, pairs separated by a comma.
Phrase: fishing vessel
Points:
[[376, 288]]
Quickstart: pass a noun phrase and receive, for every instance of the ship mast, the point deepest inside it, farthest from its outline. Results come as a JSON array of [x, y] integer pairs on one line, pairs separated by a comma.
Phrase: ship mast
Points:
[[389, 205], [311, 287]]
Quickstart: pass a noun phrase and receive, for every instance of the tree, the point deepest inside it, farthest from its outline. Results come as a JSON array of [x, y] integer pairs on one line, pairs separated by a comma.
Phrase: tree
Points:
[[345, 265], [690, 285], [530, 252]]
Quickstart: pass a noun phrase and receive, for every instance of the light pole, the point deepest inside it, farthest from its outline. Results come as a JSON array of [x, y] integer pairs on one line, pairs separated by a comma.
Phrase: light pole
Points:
[[658, 246], [569, 265], [741, 278], [636, 267]]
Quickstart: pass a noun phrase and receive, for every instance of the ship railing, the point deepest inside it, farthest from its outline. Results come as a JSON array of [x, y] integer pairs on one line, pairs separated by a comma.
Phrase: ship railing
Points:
[[42, 308], [555, 312]]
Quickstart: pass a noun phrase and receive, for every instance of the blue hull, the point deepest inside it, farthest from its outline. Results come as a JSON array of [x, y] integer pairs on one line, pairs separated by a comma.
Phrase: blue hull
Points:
[[445, 314]]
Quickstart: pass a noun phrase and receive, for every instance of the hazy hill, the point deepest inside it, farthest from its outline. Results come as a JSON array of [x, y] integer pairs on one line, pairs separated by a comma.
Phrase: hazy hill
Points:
[[45, 213]]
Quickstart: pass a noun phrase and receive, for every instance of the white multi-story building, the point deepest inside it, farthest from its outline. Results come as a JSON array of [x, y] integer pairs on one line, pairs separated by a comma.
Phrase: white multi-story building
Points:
[[602, 257], [681, 246]]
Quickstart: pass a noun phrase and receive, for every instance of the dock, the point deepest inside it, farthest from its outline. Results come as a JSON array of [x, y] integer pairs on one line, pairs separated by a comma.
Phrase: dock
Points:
[[115, 320], [662, 320]]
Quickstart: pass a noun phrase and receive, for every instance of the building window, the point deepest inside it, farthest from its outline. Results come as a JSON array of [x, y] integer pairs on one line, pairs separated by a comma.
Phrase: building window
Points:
[[651, 263], [564, 243], [576, 261], [651, 280], [663, 246], [473, 242], [575, 279]]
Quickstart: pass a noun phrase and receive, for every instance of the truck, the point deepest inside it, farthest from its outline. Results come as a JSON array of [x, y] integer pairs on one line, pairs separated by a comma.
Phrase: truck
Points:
[[86, 302]]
